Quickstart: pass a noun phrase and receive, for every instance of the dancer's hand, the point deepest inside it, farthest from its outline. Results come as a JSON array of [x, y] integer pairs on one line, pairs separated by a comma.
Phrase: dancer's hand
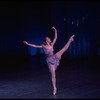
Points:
[[53, 28], [71, 38], [25, 42]]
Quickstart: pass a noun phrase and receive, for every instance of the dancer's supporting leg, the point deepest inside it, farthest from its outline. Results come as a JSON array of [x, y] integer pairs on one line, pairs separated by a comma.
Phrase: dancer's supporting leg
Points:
[[53, 75]]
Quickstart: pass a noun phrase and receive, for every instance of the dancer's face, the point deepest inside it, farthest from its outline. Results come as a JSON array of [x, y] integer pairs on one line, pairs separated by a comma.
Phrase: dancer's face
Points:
[[48, 40]]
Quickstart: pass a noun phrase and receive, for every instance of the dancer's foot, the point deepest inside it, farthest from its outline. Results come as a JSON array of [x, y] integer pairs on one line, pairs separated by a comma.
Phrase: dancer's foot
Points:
[[71, 38], [54, 91]]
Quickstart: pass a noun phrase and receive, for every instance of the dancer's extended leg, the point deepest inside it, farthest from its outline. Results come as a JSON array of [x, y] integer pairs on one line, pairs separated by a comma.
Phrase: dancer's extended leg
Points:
[[59, 53]]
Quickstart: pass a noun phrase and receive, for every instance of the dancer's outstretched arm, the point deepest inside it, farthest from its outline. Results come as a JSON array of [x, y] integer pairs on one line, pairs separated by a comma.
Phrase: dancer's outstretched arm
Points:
[[35, 46], [55, 35]]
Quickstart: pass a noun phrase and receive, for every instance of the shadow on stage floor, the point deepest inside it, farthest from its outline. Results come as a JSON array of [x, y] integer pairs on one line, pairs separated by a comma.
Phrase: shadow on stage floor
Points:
[[77, 79]]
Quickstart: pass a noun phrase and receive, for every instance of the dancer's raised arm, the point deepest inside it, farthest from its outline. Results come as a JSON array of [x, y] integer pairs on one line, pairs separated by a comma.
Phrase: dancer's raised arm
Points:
[[35, 46], [55, 35]]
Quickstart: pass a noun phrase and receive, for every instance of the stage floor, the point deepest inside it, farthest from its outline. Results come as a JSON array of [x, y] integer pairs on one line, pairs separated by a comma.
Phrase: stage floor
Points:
[[31, 79]]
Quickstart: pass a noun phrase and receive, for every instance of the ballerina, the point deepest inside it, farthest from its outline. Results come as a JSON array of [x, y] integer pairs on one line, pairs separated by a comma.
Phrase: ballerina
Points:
[[51, 58]]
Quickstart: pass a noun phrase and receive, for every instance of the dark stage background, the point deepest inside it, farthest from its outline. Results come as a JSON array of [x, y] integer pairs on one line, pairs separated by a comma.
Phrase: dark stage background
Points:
[[23, 69], [32, 21]]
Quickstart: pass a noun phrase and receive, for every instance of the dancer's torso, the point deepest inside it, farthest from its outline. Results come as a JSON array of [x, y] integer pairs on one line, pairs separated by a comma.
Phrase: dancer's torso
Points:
[[48, 50]]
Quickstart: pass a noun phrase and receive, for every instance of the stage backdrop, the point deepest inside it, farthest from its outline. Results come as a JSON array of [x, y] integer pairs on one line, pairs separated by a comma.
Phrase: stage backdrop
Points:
[[32, 21]]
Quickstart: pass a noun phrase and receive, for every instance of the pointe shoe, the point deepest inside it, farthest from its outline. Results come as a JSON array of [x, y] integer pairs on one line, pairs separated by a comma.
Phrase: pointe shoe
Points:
[[54, 92]]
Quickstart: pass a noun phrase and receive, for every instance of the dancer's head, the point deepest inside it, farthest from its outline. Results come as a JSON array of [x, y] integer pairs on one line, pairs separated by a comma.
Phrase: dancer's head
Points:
[[47, 40]]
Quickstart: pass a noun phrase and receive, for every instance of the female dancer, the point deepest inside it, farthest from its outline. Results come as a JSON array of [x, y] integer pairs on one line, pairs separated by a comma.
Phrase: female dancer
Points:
[[52, 59]]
